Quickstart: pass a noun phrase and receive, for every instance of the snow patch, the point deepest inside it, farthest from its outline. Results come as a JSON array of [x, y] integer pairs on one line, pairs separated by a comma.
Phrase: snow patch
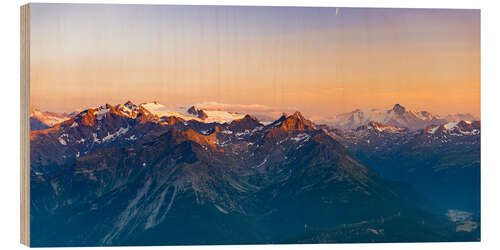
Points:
[[101, 112], [131, 138], [221, 209], [95, 138], [116, 134], [450, 125], [433, 130], [222, 116], [61, 139], [181, 112], [262, 163], [301, 137], [246, 132]]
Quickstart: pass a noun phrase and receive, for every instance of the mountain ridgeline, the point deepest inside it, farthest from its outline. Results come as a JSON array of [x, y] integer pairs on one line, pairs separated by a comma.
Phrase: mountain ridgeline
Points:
[[142, 175]]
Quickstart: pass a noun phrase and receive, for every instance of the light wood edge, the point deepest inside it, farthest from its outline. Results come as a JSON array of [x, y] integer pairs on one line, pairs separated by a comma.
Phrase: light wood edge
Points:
[[25, 125]]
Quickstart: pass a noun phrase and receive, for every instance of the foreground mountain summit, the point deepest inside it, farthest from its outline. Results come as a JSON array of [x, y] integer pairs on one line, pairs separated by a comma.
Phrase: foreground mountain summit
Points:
[[140, 175]]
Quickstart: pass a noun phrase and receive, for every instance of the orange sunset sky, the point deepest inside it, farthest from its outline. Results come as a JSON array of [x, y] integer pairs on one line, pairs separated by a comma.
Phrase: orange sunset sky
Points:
[[320, 61]]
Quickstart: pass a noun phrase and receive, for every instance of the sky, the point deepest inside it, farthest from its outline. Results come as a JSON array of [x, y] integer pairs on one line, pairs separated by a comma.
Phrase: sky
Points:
[[321, 61]]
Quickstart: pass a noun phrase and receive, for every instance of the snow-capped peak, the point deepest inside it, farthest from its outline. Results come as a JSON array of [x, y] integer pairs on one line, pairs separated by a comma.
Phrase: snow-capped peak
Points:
[[397, 116], [102, 111], [192, 113], [130, 105], [455, 128], [450, 125], [45, 119], [375, 126]]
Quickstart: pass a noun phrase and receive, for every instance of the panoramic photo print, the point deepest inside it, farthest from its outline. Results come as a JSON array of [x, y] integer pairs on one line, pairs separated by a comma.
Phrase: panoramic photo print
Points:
[[203, 125]]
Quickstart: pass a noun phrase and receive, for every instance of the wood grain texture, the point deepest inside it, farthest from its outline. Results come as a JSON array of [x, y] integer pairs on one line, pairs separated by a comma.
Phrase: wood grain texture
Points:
[[25, 129]]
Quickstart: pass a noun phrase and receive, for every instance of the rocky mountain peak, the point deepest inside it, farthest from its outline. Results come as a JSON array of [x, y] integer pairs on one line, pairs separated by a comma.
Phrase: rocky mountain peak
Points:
[[461, 127], [372, 125], [130, 105], [296, 122], [398, 109], [204, 140], [375, 124], [247, 122], [298, 115], [197, 112]]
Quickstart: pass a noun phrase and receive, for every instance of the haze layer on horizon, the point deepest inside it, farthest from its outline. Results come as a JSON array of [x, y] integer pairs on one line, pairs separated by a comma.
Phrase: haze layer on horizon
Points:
[[321, 61]]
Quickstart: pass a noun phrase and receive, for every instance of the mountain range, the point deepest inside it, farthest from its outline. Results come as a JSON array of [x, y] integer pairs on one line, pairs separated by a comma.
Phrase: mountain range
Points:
[[151, 175], [40, 120], [397, 116], [441, 161]]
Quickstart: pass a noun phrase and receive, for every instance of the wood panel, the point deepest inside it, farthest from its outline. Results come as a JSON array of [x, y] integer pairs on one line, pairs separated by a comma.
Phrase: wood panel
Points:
[[25, 143]]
